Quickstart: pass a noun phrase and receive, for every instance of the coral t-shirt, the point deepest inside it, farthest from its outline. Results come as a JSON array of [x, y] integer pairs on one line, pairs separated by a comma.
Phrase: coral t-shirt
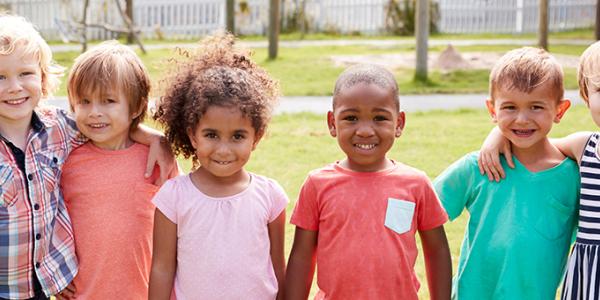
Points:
[[366, 225], [110, 205]]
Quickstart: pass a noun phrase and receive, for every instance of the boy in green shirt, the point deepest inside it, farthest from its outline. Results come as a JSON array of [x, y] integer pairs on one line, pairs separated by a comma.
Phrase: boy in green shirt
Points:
[[519, 230]]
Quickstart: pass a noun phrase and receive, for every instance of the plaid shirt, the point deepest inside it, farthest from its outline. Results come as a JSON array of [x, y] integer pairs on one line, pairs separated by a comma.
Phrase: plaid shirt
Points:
[[35, 231]]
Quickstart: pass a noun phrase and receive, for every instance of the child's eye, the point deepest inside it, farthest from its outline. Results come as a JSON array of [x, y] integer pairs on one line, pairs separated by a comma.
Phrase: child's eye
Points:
[[2, 77], [238, 137], [350, 118], [83, 101], [27, 73], [509, 107], [109, 100], [537, 107], [380, 118], [210, 135]]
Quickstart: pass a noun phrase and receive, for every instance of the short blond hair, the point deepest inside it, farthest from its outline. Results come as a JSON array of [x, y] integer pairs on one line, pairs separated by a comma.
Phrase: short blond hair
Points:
[[525, 69], [588, 72], [111, 66], [17, 32]]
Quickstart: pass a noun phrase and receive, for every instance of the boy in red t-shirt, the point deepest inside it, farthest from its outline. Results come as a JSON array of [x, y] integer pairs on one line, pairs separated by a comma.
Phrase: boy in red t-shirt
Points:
[[357, 218]]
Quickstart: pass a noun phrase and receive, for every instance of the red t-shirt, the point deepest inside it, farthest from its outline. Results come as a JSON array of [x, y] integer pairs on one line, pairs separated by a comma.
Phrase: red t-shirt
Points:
[[366, 225]]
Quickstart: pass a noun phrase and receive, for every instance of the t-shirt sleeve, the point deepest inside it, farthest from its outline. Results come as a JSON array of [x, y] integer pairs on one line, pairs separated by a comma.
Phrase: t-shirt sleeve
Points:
[[280, 201], [452, 185], [430, 212], [306, 212], [166, 201]]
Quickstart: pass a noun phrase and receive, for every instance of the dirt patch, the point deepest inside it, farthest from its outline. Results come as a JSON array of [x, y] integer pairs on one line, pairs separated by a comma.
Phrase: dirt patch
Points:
[[447, 60]]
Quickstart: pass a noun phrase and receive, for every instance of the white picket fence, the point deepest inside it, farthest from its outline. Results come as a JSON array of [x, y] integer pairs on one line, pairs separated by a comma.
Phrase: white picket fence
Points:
[[195, 18]]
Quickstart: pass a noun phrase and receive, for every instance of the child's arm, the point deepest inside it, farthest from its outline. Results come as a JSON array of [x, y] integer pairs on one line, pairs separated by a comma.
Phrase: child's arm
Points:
[[495, 144], [301, 265], [437, 262], [160, 153], [277, 238], [67, 293], [164, 257]]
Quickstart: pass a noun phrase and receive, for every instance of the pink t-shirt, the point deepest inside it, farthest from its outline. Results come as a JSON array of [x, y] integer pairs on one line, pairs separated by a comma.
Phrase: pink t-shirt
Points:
[[109, 202], [223, 246], [366, 225]]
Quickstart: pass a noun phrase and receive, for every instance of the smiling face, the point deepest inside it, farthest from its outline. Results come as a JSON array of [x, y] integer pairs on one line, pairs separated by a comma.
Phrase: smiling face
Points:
[[20, 88], [104, 118], [526, 118], [224, 140], [365, 121]]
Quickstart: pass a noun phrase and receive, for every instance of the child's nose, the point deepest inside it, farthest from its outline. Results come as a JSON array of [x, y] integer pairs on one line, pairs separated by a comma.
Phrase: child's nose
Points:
[[95, 110], [364, 130], [14, 86], [522, 117]]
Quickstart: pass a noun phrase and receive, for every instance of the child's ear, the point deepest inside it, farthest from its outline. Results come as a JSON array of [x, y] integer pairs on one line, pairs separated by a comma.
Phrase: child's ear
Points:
[[192, 137], [561, 109], [491, 109], [400, 122], [331, 124], [257, 137]]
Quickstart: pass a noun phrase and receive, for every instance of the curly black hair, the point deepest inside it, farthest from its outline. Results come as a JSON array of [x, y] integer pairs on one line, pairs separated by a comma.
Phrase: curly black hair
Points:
[[216, 73]]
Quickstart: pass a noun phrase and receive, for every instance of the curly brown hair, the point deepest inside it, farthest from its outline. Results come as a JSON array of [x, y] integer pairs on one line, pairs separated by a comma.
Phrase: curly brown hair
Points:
[[216, 73]]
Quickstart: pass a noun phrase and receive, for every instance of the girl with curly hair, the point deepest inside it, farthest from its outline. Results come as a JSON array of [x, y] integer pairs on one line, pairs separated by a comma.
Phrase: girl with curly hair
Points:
[[219, 230]]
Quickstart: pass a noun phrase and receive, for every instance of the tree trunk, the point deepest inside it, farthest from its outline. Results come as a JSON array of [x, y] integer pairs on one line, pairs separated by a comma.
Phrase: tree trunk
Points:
[[543, 29], [129, 14], [230, 12], [597, 31], [273, 28], [422, 36]]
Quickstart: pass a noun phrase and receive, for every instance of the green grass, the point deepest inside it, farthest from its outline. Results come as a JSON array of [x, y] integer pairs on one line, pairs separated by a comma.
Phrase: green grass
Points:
[[298, 143], [309, 71]]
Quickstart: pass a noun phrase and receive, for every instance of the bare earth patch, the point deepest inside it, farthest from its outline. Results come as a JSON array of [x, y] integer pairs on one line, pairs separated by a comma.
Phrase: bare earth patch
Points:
[[447, 60]]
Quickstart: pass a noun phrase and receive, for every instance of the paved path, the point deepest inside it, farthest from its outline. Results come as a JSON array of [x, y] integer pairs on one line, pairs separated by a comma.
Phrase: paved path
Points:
[[409, 103], [366, 42]]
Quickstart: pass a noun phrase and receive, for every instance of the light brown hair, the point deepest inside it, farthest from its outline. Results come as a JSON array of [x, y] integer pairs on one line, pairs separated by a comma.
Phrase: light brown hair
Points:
[[525, 69], [111, 66]]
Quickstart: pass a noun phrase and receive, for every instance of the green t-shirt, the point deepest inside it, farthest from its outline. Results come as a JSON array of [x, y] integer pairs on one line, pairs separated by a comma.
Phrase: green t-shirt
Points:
[[519, 231]]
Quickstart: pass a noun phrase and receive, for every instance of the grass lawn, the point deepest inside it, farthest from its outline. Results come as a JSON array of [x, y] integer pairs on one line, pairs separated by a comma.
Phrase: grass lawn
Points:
[[309, 71], [298, 143]]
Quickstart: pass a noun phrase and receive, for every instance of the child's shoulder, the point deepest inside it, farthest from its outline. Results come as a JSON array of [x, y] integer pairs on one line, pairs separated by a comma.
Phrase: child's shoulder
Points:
[[51, 115], [265, 182]]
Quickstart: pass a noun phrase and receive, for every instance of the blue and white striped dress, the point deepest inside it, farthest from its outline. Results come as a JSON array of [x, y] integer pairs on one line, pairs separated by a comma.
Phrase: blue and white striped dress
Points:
[[582, 280]]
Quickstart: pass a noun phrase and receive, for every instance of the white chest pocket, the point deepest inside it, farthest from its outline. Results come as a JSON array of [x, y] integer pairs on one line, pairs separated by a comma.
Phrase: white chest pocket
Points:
[[399, 215]]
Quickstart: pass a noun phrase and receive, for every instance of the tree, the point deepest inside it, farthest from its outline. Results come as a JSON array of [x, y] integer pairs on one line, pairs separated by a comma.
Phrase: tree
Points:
[[422, 36], [129, 14], [230, 12], [273, 28], [597, 31], [543, 26]]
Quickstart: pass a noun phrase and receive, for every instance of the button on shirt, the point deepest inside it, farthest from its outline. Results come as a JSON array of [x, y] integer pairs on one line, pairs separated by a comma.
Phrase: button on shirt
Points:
[[36, 239]]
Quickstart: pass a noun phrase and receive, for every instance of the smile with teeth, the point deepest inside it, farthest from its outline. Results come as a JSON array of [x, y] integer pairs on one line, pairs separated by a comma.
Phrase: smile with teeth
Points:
[[523, 132], [222, 162], [98, 125], [16, 101], [365, 146]]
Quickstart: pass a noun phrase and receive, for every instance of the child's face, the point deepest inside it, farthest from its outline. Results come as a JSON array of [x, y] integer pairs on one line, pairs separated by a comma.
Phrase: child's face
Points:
[[223, 140], [526, 118], [105, 120], [594, 102], [365, 121], [20, 87]]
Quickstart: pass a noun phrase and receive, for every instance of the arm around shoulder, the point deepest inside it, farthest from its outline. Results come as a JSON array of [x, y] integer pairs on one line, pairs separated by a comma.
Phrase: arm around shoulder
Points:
[[572, 145]]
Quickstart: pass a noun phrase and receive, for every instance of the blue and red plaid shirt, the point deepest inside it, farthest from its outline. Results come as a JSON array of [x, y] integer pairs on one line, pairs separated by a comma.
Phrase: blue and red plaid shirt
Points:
[[35, 229]]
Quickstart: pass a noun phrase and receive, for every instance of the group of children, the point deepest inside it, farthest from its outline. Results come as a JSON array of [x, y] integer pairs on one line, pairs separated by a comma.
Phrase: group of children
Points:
[[83, 213]]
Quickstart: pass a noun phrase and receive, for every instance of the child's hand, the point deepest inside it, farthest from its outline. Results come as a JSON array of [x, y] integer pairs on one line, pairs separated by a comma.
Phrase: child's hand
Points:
[[160, 153], [67, 293], [489, 155]]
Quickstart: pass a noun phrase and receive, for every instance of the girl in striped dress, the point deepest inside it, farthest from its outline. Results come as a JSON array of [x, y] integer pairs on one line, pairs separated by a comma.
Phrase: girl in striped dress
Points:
[[582, 278]]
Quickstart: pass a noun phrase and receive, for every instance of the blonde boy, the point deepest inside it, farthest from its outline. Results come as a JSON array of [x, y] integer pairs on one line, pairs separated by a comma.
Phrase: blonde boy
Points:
[[519, 230]]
